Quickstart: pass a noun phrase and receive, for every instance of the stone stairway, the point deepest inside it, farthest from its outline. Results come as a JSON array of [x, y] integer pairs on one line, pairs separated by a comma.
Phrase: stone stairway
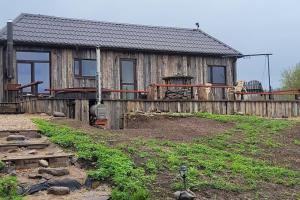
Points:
[[17, 149], [44, 171]]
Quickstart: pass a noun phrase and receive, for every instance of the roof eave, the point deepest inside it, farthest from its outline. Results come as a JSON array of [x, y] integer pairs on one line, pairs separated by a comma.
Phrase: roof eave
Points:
[[121, 48]]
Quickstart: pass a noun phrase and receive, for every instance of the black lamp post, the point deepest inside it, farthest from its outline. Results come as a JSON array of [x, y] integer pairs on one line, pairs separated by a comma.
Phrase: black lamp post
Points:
[[183, 173]]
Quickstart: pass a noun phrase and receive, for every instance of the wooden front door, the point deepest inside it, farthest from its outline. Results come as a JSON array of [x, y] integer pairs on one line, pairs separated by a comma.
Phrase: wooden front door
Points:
[[128, 77]]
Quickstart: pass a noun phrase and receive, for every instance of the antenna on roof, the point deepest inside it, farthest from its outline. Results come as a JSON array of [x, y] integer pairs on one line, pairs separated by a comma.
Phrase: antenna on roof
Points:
[[197, 25]]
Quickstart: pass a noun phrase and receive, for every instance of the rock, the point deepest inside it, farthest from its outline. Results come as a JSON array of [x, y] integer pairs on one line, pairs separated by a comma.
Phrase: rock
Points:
[[12, 151], [33, 151], [184, 195], [240, 113], [58, 190], [13, 173], [54, 171], [59, 114], [73, 184], [73, 160], [35, 176], [16, 137], [43, 163]]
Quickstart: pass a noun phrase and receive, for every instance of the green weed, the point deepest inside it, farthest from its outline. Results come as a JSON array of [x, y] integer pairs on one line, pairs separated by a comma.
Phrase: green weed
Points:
[[111, 164]]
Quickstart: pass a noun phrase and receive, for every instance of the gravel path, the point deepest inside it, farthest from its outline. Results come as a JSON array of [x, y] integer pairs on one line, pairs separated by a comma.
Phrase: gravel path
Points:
[[16, 122]]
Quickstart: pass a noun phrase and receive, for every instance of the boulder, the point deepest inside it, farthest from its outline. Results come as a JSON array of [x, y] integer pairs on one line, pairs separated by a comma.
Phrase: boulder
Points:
[[184, 195], [59, 114], [35, 176], [15, 138], [54, 171], [58, 190], [43, 163]]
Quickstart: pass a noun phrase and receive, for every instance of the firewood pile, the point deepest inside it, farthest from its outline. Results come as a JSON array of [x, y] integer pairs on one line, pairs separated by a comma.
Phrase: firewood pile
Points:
[[182, 93]]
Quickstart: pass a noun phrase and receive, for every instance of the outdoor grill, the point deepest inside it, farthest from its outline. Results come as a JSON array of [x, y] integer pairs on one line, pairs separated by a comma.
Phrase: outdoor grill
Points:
[[178, 92]]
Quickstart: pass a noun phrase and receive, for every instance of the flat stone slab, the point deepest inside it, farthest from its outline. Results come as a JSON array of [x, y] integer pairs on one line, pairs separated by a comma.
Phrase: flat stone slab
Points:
[[58, 190], [32, 161], [15, 138], [27, 133], [54, 171], [29, 145]]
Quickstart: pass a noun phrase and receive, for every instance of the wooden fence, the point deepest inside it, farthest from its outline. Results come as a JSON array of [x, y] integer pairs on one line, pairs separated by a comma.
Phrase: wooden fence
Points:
[[116, 109], [77, 109]]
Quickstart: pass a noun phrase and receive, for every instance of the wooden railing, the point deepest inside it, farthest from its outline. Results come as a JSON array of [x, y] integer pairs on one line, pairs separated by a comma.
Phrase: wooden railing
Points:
[[196, 92], [34, 88]]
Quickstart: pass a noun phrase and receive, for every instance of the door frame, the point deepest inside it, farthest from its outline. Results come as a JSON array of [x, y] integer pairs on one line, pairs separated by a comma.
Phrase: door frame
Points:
[[134, 75]]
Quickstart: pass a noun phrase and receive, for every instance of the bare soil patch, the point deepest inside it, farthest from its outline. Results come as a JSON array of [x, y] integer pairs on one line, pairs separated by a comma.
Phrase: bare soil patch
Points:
[[288, 152], [156, 126]]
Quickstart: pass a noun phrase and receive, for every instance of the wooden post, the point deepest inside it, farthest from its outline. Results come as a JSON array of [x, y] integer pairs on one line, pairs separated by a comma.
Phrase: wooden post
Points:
[[98, 82]]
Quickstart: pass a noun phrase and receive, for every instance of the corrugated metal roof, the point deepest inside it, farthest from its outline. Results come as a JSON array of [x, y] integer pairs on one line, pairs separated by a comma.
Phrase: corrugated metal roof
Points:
[[33, 28]]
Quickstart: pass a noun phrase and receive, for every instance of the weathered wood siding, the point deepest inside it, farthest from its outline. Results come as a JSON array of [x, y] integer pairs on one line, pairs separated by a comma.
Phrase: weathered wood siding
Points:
[[150, 67], [116, 109], [77, 109]]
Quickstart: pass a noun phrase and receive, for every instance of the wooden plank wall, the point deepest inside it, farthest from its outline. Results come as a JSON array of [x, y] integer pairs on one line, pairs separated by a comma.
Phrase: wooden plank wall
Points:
[[116, 109], [150, 67], [36, 105]]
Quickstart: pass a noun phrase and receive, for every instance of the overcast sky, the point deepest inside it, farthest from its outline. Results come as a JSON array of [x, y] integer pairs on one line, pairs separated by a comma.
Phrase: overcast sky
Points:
[[250, 26]]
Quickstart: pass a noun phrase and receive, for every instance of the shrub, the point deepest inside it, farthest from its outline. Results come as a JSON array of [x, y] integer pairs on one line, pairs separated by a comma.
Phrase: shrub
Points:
[[2, 165], [8, 188]]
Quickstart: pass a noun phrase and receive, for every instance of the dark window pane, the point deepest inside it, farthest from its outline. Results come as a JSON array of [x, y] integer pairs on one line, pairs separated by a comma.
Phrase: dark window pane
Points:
[[76, 67], [24, 75], [34, 56], [127, 95], [127, 71], [218, 75], [42, 74], [89, 67]]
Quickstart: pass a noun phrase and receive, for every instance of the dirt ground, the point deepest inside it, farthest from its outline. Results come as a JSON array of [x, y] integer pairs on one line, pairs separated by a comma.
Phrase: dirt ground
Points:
[[154, 127], [188, 128], [16, 122]]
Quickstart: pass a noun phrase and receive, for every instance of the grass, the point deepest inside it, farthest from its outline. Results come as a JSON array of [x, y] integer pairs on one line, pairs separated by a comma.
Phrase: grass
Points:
[[226, 161], [8, 188], [2, 165], [111, 165]]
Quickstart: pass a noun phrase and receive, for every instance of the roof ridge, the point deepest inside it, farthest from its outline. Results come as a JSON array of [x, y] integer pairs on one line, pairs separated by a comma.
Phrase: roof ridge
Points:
[[107, 22]]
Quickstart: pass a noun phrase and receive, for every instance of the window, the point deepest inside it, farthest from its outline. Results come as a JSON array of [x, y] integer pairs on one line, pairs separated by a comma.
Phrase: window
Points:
[[128, 77], [216, 75], [31, 67], [85, 67]]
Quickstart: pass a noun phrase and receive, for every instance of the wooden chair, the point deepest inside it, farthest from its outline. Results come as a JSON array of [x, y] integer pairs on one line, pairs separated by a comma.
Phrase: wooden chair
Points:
[[240, 87]]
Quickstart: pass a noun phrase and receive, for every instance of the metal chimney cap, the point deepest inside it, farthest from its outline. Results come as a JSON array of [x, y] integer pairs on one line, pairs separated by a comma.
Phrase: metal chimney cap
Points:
[[9, 21]]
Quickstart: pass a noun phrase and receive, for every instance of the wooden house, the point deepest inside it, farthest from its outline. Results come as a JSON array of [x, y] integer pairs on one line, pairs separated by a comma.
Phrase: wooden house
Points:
[[61, 52]]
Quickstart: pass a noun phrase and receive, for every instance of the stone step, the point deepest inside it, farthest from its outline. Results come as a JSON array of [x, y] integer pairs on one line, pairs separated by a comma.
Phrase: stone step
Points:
[[28, 145], [26, 133], [32, 161]]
